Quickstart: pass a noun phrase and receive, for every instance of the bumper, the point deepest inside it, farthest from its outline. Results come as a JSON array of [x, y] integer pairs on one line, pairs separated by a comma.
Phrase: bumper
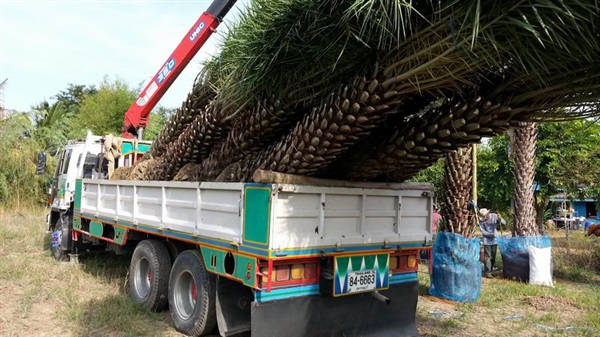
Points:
[[355, 315]]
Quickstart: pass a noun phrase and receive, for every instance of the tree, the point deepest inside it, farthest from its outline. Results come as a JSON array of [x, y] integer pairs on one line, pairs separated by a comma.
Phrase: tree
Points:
[[52, 122], [18, 183], [158, 118], [566, 160], [300, 101], [434, 175], [458, 188], [72, 97], [494, 175], [103, 112], [523, 143]]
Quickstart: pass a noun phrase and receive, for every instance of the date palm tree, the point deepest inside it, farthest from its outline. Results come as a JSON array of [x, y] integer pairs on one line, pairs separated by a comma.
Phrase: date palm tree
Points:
[[458, 187], [523, 142], [303, 85]]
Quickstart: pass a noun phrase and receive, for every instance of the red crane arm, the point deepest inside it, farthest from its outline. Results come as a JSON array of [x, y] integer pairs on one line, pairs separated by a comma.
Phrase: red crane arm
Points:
[[137, 116]]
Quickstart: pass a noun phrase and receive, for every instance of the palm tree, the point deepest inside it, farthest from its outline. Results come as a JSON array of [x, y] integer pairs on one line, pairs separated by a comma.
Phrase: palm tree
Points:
[[51, 125], [523, 141], [458, 187], [390, 85]]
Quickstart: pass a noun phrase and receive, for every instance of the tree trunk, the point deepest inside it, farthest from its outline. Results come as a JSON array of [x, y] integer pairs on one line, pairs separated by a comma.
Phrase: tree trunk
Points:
[[457, 185], [524, 141], [540, 207]]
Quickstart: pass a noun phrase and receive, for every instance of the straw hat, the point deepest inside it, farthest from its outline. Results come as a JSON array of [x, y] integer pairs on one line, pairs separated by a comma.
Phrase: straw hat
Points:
[[483, 212]]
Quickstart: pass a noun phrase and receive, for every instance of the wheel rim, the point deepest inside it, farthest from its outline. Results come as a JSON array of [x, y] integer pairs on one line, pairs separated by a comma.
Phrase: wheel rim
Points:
[[143, 278], [57, 240], [185, 295]]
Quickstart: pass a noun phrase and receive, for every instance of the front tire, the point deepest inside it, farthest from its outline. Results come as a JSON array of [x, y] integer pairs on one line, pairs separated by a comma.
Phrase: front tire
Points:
[[149, 274], [192, 295], [61, 239]]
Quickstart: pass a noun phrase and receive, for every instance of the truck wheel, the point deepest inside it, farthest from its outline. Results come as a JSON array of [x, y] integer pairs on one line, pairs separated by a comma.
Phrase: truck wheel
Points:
[[61, 240], [192, 295], [149, 274], [174, 249]]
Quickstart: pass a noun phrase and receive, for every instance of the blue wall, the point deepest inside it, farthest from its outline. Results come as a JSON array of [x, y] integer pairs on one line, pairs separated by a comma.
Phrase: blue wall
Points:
[[579, 207]]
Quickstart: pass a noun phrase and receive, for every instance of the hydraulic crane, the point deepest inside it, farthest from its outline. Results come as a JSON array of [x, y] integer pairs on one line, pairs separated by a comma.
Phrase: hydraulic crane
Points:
[[138, 114]]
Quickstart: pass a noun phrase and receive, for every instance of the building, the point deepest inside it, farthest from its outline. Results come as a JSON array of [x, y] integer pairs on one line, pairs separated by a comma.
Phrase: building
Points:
[[582, 207]]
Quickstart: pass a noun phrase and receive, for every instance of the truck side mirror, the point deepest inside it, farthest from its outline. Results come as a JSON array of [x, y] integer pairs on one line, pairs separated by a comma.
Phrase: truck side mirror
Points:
[[41, 163]]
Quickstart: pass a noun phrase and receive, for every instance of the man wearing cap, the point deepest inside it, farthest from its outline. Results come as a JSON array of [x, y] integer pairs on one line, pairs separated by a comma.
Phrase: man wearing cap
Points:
[[488, 223]]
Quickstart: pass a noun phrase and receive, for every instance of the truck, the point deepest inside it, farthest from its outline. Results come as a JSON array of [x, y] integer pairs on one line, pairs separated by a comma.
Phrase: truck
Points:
[[280, 256], [325, 258]]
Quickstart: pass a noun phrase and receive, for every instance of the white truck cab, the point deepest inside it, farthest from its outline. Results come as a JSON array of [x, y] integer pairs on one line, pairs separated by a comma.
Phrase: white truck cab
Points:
[[70, 158], [83, 158]]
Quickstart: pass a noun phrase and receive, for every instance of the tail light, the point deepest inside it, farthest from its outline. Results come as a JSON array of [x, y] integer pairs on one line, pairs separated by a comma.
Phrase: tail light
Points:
[[404, 261], [293, 272]]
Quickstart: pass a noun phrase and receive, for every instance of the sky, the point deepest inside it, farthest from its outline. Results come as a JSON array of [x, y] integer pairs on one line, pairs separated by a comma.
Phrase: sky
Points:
[[47, 44]]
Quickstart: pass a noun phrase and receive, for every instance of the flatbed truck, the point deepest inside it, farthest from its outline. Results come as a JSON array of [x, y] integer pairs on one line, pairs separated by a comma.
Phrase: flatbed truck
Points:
[[325, 258]]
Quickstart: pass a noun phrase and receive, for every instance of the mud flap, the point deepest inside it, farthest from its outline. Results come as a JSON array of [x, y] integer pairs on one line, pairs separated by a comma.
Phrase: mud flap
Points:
[[233, 307], [349, 316]]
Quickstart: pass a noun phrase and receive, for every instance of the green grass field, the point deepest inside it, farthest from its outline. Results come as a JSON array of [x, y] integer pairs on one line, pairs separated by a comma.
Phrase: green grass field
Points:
[[42, 297]]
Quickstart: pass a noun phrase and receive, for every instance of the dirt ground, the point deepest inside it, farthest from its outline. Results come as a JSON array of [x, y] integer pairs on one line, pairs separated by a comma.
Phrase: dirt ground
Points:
[[503, 310], [42, 297]]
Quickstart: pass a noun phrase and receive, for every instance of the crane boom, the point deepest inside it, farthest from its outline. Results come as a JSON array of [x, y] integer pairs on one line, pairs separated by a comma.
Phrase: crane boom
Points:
[[137, 116]]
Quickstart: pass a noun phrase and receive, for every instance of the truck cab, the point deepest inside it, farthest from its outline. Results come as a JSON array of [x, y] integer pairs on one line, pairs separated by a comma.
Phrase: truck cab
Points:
[[83, 159]]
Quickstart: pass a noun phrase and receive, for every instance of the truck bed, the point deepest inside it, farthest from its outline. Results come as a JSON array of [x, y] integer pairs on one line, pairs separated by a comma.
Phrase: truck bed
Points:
[[278, 219]]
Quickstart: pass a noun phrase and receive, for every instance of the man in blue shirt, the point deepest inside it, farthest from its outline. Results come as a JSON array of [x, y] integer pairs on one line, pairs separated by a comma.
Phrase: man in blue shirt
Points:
[[488, 223]]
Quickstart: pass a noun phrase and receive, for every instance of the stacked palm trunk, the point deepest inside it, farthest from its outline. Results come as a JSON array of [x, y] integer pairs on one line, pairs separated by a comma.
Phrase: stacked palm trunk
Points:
[[377, 90]]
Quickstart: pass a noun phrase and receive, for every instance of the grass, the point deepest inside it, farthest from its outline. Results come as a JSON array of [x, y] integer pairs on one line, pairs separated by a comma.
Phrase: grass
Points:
[[577, 258], [43, 297], [517, 309]]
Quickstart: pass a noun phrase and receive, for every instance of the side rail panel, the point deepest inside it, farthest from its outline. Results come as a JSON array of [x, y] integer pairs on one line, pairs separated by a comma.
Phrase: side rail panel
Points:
[[207, 209], [305, 216]]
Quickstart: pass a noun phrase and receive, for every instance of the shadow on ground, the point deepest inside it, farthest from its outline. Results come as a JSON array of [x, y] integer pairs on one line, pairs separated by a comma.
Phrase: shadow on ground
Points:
[[117, 315], [429, 326]]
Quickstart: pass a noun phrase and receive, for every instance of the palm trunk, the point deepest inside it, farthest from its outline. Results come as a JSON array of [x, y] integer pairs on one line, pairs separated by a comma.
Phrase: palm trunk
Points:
[[458, 187], [524, 140]]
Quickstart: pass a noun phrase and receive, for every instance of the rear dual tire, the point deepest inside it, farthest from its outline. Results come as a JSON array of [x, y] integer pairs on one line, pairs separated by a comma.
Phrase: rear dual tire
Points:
[[192, 295], [186, 286], [149, 274]]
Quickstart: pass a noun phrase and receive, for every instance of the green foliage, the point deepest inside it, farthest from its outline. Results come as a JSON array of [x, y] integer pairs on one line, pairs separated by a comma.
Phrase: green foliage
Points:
[[52, 124], [434, 174], [567, 159], [18, 157], [158, 119], [298, 51], [72, 97], [103, 112], [494, 175]]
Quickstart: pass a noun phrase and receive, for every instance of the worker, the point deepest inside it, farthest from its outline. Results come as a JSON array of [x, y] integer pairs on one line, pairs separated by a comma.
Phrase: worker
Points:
[[488, 223], [435, 220]]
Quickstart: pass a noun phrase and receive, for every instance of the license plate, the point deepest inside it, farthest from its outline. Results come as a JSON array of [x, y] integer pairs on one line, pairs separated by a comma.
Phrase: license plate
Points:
[[361, 273], [363, 280]]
